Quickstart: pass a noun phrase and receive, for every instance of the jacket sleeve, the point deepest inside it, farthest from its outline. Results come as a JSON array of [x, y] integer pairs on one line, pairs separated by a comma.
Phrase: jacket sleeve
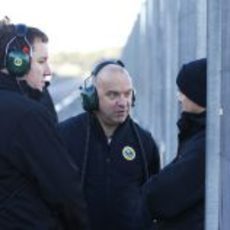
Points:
[[38, 152], [155, 166], [152, 154], [177, 187]]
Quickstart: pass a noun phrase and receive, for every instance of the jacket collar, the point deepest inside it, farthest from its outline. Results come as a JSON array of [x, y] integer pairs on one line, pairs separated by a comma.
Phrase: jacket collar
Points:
[[191, 123], [97, 126], [8, 82]]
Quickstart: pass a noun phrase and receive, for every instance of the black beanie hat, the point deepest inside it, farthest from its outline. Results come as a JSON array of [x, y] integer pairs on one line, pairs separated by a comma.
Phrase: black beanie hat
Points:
[[192, 81]]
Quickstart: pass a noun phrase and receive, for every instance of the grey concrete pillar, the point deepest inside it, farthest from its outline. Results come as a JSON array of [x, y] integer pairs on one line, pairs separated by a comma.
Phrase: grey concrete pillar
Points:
[[218, 154], [224, 204], [213, 120], [171, 65]]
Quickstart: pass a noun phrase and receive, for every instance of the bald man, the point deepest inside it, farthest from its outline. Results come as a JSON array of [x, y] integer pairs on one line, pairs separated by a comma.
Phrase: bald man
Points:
[[115, 155]]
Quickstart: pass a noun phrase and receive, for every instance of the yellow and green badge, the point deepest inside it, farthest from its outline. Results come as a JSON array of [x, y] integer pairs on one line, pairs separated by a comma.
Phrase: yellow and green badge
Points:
[[128, 153]]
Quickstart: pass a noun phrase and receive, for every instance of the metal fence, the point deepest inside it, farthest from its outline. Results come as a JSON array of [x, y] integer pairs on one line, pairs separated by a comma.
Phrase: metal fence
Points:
[[166, 34]]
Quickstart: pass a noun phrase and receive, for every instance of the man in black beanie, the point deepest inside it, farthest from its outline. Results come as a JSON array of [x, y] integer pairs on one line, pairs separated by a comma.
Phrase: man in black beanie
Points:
[[175, 196], [192, 81]]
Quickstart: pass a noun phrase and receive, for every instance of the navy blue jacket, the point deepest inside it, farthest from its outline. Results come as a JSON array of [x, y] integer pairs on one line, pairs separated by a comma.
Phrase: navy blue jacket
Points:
[[112, 173], [176, 195], [39, 185]]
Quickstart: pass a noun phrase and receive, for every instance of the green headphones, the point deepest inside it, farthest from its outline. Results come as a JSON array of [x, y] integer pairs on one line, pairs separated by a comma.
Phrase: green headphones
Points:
[[90, 100], [18, 52]]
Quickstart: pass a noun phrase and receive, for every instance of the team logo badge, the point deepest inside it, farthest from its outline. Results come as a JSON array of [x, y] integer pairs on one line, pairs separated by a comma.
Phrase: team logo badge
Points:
[[128, 153], [18, 61]]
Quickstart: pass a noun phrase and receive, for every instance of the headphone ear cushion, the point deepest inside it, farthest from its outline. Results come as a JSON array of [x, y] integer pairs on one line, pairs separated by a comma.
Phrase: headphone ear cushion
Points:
[[17, 63], [90, 101], [18, 52]]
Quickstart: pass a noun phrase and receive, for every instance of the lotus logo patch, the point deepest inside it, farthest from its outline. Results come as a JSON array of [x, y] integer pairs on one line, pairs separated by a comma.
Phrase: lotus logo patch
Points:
[[128, 153], [18, 61]]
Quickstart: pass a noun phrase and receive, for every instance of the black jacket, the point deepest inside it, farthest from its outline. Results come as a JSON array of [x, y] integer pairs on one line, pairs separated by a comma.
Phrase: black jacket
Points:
[[111, 174], [176, 195], [39, 185], [43, 97]]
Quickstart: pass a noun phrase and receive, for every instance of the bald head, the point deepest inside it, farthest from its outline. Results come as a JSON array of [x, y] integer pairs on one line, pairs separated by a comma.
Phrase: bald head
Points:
[[112, 73]]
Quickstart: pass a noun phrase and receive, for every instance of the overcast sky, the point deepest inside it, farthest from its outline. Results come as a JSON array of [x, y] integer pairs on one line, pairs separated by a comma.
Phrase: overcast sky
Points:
[[77, 25]]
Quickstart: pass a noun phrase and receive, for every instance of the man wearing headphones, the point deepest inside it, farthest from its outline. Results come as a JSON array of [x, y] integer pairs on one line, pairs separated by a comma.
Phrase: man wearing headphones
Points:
[[115, 155], [39, 185]]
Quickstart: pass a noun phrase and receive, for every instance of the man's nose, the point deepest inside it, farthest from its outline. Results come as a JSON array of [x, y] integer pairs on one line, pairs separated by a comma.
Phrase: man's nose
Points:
[[123, 101], [48, 71]]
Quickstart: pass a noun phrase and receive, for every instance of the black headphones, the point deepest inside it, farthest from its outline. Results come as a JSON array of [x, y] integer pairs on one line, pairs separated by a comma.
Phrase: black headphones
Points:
[[90, 100], [18, 52]]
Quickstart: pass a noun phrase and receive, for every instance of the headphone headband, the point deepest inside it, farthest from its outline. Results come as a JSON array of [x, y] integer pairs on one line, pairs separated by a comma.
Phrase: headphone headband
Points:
[[21, 30], [101, 65]]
